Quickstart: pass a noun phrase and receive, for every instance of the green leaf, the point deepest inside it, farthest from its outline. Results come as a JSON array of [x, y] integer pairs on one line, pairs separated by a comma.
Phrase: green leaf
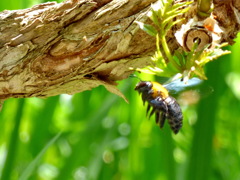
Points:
[[31, 167], [181, 5], [147, 28], [170, 25], [154, 17]]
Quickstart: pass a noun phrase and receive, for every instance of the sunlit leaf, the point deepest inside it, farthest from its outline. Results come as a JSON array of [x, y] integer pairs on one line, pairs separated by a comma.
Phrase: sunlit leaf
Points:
[[147, 28]]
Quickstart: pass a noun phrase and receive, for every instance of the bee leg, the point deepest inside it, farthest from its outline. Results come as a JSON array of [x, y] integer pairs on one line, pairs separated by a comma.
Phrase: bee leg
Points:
[[152, 112], [160, 107], [148, 108], [158, 104], [143, 99], [162, 119], [157, 117]]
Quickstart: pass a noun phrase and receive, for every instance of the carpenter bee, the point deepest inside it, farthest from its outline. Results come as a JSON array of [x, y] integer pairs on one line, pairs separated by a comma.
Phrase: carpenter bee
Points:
[[161, 103]]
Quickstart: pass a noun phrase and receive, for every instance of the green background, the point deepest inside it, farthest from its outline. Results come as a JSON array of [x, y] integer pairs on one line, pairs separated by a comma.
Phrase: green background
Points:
[[97, 135]]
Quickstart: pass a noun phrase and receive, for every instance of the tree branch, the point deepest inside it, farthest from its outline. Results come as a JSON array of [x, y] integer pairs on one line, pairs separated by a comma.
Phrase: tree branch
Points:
[[77, 45]]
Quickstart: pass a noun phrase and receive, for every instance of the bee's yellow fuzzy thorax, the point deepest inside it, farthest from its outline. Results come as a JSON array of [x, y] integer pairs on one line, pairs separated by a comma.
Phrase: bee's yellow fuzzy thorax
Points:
[[159, 90]]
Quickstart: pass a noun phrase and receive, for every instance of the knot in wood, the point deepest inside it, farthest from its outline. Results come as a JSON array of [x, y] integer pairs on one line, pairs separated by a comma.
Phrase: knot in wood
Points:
[[202, 35]]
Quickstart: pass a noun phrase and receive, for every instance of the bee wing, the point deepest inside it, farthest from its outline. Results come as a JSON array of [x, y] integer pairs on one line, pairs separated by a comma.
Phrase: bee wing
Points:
[[178, 85]]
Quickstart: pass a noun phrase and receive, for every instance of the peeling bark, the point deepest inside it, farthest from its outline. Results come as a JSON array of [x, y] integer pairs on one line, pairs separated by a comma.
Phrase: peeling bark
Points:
[[77, 45]]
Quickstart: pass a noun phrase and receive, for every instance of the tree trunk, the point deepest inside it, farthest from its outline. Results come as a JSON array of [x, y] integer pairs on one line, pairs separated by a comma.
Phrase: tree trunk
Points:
[[76, 45]]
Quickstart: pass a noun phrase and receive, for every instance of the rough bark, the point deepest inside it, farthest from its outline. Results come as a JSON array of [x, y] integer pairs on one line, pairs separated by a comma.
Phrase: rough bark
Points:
[[76, 45]]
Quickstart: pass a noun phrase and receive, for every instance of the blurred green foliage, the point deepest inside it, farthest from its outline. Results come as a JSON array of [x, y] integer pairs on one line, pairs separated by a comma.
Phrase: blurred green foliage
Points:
[[97, 135]]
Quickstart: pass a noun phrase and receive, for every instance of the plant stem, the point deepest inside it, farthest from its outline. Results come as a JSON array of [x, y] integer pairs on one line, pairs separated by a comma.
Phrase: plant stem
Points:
[[12, 148], [157, 43], [204, 8], [168, 53]]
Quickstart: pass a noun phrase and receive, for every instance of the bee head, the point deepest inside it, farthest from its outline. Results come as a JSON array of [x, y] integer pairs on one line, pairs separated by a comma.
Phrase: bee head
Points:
[[143, 86]]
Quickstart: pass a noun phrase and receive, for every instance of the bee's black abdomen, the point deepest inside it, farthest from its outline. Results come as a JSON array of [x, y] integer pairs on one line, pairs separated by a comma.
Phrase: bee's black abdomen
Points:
[[174, 114]]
